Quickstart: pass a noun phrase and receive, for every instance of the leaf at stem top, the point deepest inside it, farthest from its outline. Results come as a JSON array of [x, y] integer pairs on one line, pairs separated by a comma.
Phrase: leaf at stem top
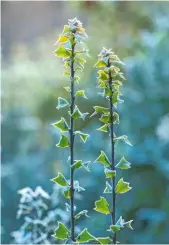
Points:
[[102, 206], [84, 236], [61, 232], [83, 136], [62, 125], [122, 187], [123, 164], [81, 213], [109, 173], [81, 93], [123, 138], [62, 103], [103, 159], [62, 52], [104, 240], [60, 180], [100, 64], [63, 142]]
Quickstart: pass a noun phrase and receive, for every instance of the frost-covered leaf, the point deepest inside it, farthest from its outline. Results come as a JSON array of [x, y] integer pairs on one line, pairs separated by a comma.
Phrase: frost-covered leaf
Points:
[[77, 186], [82, 135], [100, 64], [109, 173], [77, 164], [108, 188], [104, 240], [123, 138], [84, 236], [62, 103], [128, 224], [103, 75], [64, 142], [99, 109], [81, 213], [103, 128], [103, 159], [62, 125], [105, 118], [67, 89], [62, 39], [122, 187], [123, 164], [61, 232], [102, 206], [62, 52], [60, 180], [77, 114], [81, 93], [67, 193], [116, 118]]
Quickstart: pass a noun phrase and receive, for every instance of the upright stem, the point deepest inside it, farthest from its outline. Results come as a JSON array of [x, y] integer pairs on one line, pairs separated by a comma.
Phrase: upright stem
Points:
[[112, 153], [72, 105]]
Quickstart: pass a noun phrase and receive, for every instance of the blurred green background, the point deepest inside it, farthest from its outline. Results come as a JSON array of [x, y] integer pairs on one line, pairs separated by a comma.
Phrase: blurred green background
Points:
[[32, 80]]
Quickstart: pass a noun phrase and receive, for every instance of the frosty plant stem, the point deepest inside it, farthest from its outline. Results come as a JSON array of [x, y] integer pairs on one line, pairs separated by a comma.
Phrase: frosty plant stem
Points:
[[70, 48], [110, 79]]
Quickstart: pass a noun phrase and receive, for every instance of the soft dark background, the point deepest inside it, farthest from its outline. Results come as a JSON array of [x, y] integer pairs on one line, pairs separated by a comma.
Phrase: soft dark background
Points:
[[32, 80]]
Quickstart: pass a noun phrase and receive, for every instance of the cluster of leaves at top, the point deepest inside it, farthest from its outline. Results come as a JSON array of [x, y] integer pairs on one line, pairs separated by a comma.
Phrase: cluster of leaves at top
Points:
[[71, 49]]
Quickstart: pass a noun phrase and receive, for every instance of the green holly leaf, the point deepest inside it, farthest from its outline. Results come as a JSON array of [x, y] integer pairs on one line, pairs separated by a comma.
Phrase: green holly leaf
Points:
[[123, 138], [77, 114], [103, 128], [81, 93], [83, 136], [81, 213], [123, 164], [62, 52], [104, 240], [64, 142], [109, 173], [103, 159], [67, 193], [122, 187], [77, 164], [108, 188], [100, 64], [61, 232], [62, 103], [99, 109], [84, 236], [60, 180], [62, 125], [102, 206]]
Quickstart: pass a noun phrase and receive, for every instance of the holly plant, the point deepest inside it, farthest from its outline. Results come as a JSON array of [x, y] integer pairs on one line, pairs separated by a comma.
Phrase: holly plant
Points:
[[110, 79]]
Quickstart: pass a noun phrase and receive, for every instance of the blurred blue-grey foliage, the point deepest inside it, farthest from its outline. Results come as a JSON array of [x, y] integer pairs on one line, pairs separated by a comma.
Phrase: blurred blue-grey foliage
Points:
[[31, 82]]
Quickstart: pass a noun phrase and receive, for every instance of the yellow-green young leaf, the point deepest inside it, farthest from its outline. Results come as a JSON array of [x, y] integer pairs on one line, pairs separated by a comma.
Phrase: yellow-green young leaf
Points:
[[83, 212], [76, 79], [123, 138], [83, 136], [62, 52], [99, 109], [77, 164], [67, 89], [66, 29], [116, 118], [81, 61], [109, 173], [104, 240], [102, 84], [77, 114], [62, 103], [67, 193], [103, 128], [103, 75], [67, 73], [62, 125], [62, 39], [61, 232], [123, 164], [84, 236], [122, 187], [108, 188], [64, 142], [60, 180], [100, 64], [107, 92], [114, 228], [81, 93], [103, 159], [102, 206], [105, 118]]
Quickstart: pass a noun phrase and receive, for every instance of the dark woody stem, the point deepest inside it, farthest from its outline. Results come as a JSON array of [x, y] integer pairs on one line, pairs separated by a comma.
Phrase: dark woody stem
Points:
[[112, 152], [72, 106]]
